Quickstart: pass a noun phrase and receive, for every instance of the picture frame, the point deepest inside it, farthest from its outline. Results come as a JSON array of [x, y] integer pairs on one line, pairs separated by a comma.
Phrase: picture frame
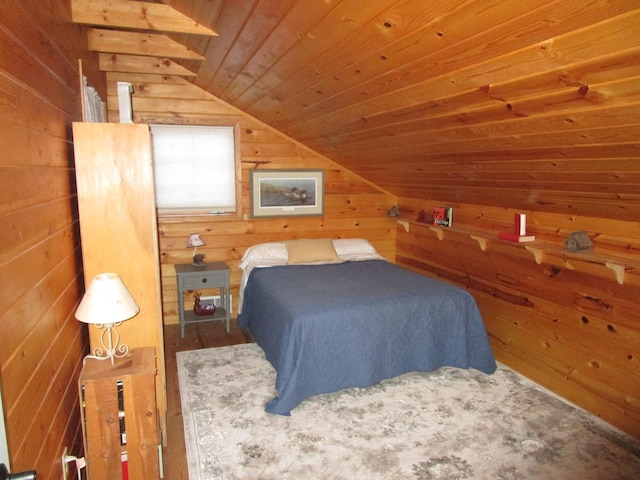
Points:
[[287, 193]]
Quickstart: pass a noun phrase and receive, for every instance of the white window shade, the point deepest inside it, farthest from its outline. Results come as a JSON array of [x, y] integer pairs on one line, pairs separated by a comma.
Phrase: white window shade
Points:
[[194, 168]]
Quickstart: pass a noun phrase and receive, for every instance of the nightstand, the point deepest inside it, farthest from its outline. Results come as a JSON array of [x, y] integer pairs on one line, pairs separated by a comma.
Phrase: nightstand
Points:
[[120, 417], [214, 275]]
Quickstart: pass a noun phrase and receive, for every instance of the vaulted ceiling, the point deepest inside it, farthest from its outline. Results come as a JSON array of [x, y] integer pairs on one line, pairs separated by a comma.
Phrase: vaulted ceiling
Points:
[[461, 100]]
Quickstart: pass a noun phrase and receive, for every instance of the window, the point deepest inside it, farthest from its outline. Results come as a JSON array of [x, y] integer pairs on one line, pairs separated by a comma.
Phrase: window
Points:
[[196, 169]]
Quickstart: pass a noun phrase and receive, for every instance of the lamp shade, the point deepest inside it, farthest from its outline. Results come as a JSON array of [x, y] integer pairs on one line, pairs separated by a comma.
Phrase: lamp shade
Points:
[[106, 301], [195, 240]]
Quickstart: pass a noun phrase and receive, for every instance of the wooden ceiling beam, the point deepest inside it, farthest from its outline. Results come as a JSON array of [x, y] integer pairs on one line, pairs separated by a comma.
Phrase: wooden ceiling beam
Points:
[[113, 62], [145, 44], [136, 15]]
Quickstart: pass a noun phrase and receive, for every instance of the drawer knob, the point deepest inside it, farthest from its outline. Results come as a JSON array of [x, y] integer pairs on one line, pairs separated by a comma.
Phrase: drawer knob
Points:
[[204, 280]]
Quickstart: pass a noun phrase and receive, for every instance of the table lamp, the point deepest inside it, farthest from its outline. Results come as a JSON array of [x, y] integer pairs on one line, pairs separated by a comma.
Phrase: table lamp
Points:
[[106, 304], [196, 241]]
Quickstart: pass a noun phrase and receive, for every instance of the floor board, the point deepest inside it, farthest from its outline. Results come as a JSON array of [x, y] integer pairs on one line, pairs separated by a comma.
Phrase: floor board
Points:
[[200, 335]]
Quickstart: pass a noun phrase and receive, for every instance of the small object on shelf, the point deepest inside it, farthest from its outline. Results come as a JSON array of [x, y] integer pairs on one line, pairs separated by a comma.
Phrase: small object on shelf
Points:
[[394, 212], [578, 242], [198, 260], [443, 216], [203, 309], [519, 234]]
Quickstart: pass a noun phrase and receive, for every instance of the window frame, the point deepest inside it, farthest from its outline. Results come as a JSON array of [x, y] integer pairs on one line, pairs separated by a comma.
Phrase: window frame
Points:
[[235, 123]]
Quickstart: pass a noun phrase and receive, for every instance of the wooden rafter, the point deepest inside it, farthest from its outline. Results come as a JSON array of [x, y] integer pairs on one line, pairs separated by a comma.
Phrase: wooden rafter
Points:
[[112, 62], [146, 44], [135, 15]]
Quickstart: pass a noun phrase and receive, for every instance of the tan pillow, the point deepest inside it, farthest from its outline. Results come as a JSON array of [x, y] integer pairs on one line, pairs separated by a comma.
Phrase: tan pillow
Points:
[[308, 250]]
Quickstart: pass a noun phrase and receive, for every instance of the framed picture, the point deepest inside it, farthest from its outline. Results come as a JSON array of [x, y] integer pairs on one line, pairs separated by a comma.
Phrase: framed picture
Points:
[[287, 193]]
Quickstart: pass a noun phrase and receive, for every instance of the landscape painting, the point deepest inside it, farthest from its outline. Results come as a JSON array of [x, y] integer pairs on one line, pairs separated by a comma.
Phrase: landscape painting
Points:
[[283, 193]]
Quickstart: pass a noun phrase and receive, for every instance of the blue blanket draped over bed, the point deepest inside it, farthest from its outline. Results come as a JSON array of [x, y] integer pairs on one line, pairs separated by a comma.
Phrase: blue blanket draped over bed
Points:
[[329, 327]]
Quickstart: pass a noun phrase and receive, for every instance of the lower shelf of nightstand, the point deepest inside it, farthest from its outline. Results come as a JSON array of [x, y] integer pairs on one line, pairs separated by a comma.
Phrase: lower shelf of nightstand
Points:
[[220, 314]]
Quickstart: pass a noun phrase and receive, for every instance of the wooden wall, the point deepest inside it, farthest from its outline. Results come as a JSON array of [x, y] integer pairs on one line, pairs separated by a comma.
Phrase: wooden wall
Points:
[[568, 321], [530, 105], [353, 207], [40, 261]]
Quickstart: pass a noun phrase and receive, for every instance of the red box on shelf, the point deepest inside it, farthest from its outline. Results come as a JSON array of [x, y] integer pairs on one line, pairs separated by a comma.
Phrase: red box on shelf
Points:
[[519, 233]]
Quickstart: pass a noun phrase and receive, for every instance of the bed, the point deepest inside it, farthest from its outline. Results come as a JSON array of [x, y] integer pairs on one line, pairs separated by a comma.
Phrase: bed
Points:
[[334, 314]]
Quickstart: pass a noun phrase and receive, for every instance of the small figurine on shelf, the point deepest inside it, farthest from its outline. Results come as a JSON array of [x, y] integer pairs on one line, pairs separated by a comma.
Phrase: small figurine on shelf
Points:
[[394, 212], [203, 309], [198, 260], [578, 242]]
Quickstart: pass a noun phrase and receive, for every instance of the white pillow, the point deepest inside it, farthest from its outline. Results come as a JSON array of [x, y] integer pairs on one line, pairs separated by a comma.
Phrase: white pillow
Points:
[[355, 249], [273, 253]]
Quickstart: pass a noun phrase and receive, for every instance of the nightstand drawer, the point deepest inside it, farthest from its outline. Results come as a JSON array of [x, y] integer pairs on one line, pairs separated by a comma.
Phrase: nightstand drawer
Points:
[[210, 280]]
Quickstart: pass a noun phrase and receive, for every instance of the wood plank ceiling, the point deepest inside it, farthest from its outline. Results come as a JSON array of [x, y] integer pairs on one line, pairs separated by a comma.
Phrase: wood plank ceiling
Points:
[[522, 103]]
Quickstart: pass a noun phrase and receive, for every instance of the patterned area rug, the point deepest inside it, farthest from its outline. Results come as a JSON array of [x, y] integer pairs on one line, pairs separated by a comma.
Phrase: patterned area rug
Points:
[[447, 424]]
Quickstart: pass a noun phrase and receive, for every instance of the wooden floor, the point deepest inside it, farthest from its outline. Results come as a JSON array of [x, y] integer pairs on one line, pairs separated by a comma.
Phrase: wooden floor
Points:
[[201, 335]]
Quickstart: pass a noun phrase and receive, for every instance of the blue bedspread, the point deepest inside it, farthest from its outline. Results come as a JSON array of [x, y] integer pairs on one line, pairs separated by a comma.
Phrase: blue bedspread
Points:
[[329, 327]]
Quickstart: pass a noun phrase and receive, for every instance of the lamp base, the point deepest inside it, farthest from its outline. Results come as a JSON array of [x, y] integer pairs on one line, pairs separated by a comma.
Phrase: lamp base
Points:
[[198, 264], [111, 347]]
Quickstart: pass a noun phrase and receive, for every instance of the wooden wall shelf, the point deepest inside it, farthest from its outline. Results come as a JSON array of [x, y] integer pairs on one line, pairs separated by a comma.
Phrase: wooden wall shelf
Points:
[[541, 250]]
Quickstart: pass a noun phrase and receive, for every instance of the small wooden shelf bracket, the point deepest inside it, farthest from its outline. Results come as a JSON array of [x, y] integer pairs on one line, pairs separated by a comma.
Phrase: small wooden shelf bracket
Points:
[[482, 242], [537, 253], [404, 224], [618, 270], [437, 231]]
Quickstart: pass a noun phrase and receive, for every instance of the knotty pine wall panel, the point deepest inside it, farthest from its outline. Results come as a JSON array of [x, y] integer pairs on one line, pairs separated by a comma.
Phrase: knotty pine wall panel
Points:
[[40, 261], [567, 322], [353, 207]]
